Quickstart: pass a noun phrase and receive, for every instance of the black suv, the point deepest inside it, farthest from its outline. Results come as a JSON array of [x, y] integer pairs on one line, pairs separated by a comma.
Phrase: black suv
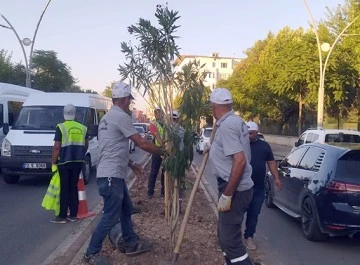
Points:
[[321, 187]]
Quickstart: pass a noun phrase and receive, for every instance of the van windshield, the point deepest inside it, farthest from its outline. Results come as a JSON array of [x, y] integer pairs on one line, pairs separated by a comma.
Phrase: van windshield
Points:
[[44, 117], [348, 167]]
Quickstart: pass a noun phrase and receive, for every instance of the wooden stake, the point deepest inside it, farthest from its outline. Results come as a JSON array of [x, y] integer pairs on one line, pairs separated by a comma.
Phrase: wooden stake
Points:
[[191, 201], [166, 195]]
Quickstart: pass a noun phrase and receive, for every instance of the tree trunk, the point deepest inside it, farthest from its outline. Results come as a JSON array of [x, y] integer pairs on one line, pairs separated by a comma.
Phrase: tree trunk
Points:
[[300, 115]]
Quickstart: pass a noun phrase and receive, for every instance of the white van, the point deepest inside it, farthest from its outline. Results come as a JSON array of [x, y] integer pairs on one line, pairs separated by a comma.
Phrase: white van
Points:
[[11, 99], [27, 148]]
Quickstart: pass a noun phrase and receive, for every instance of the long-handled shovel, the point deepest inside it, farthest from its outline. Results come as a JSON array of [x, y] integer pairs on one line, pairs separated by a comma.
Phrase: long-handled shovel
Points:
[[191, 201]]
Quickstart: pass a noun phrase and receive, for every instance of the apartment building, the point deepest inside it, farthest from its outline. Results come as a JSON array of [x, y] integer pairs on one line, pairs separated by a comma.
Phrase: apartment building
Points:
[[216, 67]]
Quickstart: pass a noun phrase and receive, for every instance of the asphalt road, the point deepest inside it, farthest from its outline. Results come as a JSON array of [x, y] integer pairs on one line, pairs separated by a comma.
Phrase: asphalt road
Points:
[[279, 237], [26, 235]]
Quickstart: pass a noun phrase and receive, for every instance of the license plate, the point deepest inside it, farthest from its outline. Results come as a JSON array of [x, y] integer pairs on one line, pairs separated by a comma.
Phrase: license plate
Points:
[[34, 165]]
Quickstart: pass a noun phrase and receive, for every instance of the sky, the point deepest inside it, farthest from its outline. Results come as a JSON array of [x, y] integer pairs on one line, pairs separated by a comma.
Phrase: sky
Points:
[[87, 34]]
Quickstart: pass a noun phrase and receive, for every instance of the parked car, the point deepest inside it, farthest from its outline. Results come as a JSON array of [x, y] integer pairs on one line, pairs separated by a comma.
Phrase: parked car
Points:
[[329, 136], [261, 136], [146, 127], [204, 138], [141, 131], [321, 188]]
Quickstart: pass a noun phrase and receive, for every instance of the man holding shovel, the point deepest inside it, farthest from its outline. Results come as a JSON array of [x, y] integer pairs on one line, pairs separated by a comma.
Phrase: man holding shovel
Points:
[[230, 156]]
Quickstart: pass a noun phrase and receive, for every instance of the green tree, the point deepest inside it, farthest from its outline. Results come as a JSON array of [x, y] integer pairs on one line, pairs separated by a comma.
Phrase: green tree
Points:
[[108, 90], [148, 66], [19, 75], [192, 92], [6, 67], [344, 95], [90, 91], [287, 60], [50, 74]]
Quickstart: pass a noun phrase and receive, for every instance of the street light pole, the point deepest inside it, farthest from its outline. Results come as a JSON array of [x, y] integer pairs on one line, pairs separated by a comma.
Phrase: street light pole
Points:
[[26, 42], [320, 112]]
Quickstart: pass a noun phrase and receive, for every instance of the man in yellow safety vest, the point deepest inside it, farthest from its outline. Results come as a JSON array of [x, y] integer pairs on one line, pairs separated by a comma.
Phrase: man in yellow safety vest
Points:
[[68, 156], [156, 130]]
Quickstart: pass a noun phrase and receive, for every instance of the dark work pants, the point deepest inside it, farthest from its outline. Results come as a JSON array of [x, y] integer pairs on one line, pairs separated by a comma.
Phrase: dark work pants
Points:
[[117, 205], [156, 161], [229, 227], [253, 212], [69, 198]]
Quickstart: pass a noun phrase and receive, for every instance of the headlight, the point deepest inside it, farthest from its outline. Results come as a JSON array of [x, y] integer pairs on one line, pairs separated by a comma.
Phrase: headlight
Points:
[[6, 148]]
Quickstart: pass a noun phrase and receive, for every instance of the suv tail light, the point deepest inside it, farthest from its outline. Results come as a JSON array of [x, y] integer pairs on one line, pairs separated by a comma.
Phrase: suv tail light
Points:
[[337, 186]]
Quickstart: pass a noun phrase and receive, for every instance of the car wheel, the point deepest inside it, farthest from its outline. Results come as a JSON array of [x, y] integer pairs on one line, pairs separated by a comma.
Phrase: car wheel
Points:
[[86, 171], [268, 195], [11, 179], [310, 221]]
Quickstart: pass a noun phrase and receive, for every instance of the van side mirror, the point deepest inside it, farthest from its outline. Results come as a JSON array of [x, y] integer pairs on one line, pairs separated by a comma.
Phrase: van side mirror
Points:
[[6, 128], [93, 130]]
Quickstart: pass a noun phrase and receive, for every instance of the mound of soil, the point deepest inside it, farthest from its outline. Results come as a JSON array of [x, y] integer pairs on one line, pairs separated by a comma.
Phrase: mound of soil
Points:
[[200, 245]]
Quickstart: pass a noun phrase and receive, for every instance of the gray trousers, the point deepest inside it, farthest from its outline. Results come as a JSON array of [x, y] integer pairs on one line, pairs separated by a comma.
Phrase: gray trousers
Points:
[[229, 227]]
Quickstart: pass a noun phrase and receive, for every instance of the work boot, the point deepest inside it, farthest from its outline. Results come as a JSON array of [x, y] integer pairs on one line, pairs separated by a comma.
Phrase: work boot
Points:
[[249, 243], [72, 218], [59, 220], [95, 259]]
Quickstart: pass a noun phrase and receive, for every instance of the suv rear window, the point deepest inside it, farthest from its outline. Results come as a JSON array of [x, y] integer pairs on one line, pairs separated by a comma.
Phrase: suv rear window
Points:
[[342, 138], [348, 167]]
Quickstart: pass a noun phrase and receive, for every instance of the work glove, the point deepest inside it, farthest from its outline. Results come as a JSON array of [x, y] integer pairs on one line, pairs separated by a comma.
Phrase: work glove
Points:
[[207, 147], [224, 203], [54, 168]]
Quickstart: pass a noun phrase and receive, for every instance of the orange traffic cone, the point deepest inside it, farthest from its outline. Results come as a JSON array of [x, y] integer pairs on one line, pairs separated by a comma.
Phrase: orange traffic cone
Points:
[[83, 210]]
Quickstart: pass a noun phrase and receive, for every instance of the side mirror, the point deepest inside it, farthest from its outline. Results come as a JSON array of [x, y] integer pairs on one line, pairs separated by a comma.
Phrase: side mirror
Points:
[[93, 130], [296, 144], [6, 128]]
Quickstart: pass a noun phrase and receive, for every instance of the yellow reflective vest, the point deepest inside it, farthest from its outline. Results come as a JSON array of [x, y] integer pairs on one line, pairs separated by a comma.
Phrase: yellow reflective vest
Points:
[[160, 130], [51, 199], [72, 142]]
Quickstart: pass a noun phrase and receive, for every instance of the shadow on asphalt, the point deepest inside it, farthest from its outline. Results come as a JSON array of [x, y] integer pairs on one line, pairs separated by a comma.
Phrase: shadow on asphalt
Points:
[[28, 181], [38, 181], [340, 241]]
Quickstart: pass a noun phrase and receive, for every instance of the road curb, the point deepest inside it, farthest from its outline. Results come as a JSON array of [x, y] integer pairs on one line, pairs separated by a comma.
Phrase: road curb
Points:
[[72, 249], [209, 192]]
